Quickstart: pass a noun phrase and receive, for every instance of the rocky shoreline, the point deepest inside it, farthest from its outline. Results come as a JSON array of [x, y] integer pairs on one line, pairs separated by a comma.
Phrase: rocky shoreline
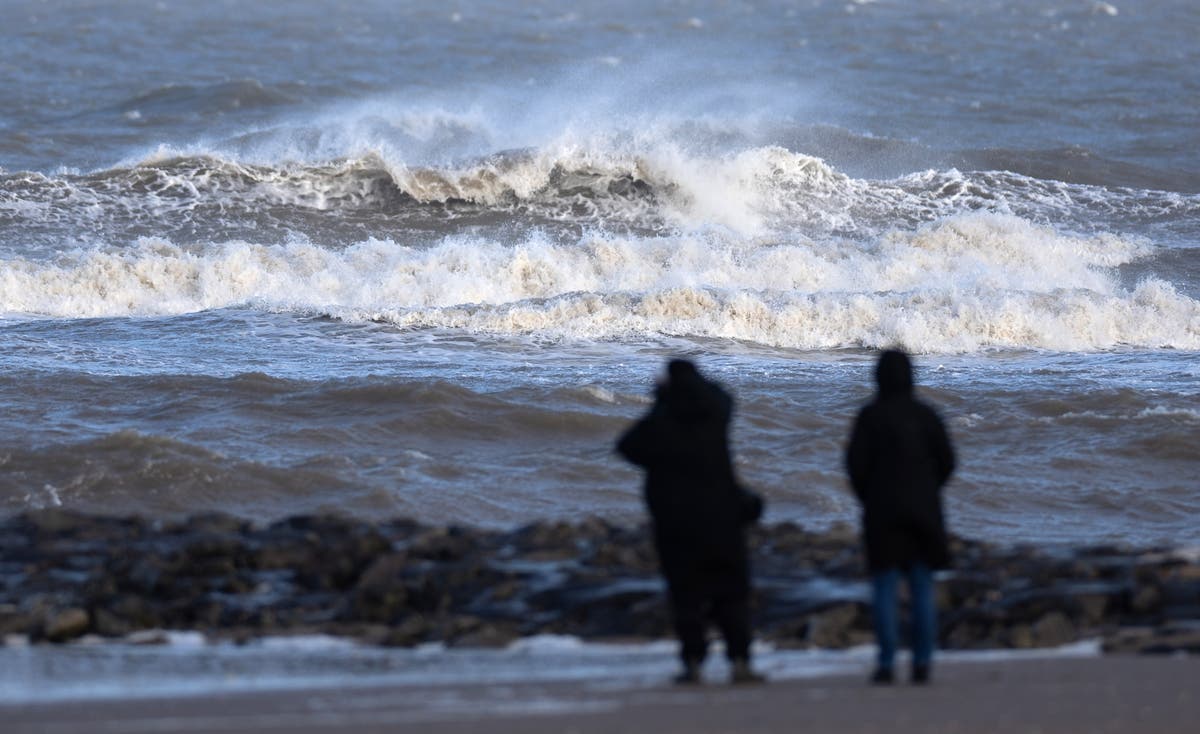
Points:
[[65, 575]]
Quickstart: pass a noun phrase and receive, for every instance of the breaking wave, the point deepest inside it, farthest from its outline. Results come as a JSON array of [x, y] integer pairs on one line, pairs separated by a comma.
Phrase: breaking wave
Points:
[[766, 191], [969, 282]]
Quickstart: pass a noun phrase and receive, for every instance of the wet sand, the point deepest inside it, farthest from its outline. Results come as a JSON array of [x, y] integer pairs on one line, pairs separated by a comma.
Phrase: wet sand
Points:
[[1107, 694]]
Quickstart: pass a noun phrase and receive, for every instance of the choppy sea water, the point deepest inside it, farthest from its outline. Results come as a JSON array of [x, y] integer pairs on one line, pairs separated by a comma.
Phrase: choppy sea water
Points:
[[426, 258]]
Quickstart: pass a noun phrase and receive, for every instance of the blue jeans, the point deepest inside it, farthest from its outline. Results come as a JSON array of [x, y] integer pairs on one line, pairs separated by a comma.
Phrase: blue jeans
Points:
[[924, 613]]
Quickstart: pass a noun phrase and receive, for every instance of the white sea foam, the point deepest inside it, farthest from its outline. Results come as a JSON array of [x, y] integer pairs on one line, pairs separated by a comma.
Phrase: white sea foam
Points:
[[600, 393], [966, 283], [1182, 414]]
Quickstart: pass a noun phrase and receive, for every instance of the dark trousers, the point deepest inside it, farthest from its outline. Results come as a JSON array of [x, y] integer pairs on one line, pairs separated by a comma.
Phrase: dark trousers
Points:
[[693, 609]]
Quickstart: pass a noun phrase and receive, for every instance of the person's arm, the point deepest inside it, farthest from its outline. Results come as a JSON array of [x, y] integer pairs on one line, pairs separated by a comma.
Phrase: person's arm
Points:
[[943, 450], [637, 444], [858, 456]]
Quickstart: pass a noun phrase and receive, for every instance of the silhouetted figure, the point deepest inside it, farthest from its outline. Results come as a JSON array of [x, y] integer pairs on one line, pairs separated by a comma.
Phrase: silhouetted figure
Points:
[[699, 512], [898, 459]]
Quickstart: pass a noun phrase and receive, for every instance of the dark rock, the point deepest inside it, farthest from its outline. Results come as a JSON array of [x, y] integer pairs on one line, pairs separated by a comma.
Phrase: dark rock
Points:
[[833, 626], [965, 588], [1186, 571], [505, 590], [594, 530], [1180, 590], [136, 611], [214, 523], [14, 621], [1053, 630], [605, 608], [67, 625], [1021, 636], [1183, 638], [1147, 599], [969, 634], [344, 558], [403, 583], [220, 547], [381, 594], [1093, 607], [1174, 640], [108, 624], [1127, 640], [841, 533], [637, 558], [412, 631], [57, 522], [547, 541], [487, 635], [284, 555], [442, 544]]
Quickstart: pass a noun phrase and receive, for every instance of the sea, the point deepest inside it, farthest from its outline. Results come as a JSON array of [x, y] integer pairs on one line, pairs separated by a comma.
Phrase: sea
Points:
[[427, 259]]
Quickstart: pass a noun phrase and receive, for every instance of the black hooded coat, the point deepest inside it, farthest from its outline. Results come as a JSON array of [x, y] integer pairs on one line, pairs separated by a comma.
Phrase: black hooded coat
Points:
[[690, 490], [898, 458]]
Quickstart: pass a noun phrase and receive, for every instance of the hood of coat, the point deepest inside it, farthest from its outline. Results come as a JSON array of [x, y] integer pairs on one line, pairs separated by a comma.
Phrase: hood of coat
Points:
[[689, 397], [894, 373]]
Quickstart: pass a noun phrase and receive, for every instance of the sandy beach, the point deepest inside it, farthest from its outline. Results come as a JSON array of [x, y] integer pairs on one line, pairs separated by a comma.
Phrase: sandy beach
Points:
[[1105, 694]]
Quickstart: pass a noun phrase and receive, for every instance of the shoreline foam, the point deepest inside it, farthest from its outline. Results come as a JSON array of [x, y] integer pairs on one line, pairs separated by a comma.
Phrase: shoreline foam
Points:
[[163, 664]]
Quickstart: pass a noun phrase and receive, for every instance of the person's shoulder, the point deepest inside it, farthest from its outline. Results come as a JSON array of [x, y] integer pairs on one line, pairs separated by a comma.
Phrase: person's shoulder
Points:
[[929, 410], [868, 410], [718, 397]]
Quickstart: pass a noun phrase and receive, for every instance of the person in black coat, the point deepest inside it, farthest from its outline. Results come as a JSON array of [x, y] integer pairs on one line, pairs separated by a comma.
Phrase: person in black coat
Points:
[[698, 512], [898, 458]]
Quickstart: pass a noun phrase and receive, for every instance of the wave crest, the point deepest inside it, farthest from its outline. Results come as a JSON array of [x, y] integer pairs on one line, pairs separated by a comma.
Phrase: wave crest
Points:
[[759, 192]]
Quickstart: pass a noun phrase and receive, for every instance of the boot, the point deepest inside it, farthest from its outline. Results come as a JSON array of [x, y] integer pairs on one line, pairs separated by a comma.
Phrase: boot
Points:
[[882, 677], [690, 675], [741, 672], [920, 674]]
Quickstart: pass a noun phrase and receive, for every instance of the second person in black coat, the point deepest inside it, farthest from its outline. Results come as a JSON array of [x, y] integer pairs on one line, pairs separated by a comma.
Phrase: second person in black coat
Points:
[[898, 458]]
